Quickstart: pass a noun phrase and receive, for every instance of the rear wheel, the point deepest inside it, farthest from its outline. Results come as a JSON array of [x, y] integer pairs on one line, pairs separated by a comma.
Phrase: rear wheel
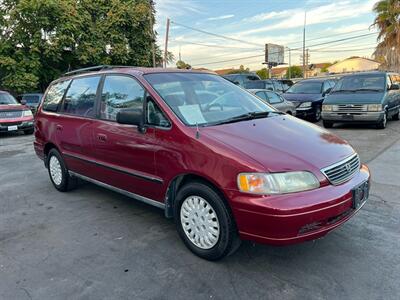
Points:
[[382, 123], [58, 172], [204, 222], [327, 124]]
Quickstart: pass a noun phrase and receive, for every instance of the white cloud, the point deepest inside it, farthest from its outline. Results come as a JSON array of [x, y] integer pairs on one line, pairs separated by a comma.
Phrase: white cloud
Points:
[[352, 27], [268, 16], [220, 17], [331, 12]]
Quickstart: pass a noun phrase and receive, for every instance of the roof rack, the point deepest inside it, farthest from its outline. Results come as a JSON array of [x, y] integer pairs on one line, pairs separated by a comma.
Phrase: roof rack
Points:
[[95, 68]]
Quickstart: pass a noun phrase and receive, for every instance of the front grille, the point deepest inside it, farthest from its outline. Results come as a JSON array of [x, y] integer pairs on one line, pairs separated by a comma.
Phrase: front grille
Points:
[[343, 170], [10, 124], [10, 114], [350, 108]]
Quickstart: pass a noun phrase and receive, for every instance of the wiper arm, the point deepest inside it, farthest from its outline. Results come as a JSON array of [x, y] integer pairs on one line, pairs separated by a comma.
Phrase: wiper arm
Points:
[[369, 89], [336, 91], [243, 117]]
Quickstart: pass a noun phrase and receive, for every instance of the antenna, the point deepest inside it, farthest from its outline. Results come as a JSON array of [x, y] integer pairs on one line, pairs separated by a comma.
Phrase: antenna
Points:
[[197, 131]]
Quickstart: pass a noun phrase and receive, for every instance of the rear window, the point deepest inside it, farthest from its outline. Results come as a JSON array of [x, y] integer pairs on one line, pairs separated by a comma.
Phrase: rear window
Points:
[[31, 98], [54, 95]]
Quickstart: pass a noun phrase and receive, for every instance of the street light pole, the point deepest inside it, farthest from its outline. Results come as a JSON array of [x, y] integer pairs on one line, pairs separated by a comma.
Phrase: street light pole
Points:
[[304, 45]]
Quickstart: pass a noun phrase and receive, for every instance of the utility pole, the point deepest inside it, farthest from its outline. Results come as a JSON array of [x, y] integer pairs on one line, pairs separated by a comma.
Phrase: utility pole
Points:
[[166, 44], [304, 45], [180, 53], [290, 64], [153, 50]]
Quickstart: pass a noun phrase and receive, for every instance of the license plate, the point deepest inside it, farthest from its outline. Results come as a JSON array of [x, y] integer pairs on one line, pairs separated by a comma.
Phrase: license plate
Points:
[[12, 128], [360, 194], [347, 117]]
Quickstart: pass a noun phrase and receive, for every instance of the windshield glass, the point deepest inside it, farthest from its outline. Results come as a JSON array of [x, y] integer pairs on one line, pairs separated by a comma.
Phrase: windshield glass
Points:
[[306, 87], [361, 82], [204, 99], [6, 98]]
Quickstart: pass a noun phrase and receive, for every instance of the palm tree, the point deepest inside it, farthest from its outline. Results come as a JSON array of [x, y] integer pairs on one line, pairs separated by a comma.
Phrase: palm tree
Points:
[[388, 23]]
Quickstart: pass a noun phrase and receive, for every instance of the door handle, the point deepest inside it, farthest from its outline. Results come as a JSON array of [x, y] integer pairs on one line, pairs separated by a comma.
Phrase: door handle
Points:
[[102, 137], [59, 128]]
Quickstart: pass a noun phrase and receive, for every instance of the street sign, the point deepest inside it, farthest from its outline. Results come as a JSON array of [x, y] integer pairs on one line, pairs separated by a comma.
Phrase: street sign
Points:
[[274, 54]]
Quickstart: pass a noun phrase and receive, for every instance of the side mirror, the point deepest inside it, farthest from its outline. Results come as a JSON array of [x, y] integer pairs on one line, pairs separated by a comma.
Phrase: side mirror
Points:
[[131, 117], [23, 101], [395, 86], [327, 91]]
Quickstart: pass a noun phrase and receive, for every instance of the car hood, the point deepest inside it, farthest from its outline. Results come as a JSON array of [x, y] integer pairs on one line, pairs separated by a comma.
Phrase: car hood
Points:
[[282, 143], [354, 98], [302, 97], [4, 107]]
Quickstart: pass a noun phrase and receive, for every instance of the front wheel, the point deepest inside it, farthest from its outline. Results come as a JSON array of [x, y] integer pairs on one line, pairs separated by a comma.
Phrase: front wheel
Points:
[[317, 114], [204, 222], [382, 123], [327, 124], [58, 172], [396, 116]]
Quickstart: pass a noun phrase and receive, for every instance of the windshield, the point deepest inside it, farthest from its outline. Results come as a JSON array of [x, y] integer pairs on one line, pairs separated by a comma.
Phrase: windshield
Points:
[[361, 82], [6, 98], [205, 99], [306, 87]]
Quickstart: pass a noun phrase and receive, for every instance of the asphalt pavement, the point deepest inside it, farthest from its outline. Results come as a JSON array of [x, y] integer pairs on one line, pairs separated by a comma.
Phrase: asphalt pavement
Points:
[[92, 243]]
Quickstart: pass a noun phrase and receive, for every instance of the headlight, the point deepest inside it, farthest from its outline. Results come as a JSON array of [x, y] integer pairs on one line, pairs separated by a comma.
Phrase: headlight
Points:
[[276, 183], [374, 107], [327, 107], [27, 113], [305, 105]]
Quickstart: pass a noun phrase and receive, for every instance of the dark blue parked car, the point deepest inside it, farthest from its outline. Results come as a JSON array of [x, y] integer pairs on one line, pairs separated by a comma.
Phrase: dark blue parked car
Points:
[[372, 97], [307, 95]]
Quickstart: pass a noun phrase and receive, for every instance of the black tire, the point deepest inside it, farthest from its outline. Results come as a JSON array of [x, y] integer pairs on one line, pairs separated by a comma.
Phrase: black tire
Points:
[[28, 131], [317, 115], [67, 182], [382, 123], [396, 116], [327, 124], [228, 240]]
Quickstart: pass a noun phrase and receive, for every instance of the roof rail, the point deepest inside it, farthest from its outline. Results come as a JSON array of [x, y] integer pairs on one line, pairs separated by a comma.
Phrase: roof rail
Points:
[[95, 68]]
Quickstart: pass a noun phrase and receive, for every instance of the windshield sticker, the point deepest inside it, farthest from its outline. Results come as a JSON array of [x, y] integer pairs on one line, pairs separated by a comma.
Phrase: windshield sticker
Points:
[[192, 114]]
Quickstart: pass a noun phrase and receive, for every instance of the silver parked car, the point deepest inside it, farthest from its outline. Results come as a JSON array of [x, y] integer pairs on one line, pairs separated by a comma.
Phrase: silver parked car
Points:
[[275, 100]]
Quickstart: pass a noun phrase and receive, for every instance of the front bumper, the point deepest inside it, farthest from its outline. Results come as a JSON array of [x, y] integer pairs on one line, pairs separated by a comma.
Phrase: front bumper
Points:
[[297, 217], [372, 117], [305, 112], [10, 125]]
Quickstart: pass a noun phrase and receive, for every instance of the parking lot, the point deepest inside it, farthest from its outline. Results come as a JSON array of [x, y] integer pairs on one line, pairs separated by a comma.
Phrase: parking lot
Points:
[[92, 243]]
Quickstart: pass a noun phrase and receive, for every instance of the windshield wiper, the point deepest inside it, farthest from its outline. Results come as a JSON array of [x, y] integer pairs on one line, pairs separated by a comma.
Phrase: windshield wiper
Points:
[[243, 117], [336, 91], [369, 89]]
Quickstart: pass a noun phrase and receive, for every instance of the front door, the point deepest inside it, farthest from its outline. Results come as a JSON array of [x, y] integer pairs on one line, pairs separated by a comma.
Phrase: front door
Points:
[[124, 156]]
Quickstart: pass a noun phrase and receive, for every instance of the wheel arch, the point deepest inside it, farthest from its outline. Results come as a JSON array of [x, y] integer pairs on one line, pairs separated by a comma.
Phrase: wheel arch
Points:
[[47, 147], [179, 181]]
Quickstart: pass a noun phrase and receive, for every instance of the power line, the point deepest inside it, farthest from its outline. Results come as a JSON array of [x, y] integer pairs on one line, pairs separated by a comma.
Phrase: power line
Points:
[[215, 46], [342, 50], [217, 35]]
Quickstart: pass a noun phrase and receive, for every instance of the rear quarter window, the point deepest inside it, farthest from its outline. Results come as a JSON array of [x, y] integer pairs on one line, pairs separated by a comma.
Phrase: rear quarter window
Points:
[[54, 95]]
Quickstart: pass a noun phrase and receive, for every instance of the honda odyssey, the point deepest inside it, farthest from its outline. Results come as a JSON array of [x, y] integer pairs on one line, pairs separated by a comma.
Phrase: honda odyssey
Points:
[[225, 169]]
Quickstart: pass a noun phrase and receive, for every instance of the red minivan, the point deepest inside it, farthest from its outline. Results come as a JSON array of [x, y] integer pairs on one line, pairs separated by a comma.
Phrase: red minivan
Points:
[[220, 161]]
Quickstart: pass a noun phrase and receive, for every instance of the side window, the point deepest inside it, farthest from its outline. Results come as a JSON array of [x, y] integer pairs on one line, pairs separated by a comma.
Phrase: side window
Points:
[[120, 92], [278, 86], [54, 95], [81, 97], [274, 98], [155, 116], [326, 86], [262, 95]]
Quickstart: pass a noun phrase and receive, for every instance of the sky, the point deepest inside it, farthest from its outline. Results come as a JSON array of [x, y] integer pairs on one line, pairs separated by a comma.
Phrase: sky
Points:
[[329, 25]]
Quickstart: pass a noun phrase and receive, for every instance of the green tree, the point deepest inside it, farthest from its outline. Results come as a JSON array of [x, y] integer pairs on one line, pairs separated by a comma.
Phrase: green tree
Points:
[[324, 69], [263, 73], [295, 72], [387, 21], [40, 39], [241, 69], [180, 64]]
